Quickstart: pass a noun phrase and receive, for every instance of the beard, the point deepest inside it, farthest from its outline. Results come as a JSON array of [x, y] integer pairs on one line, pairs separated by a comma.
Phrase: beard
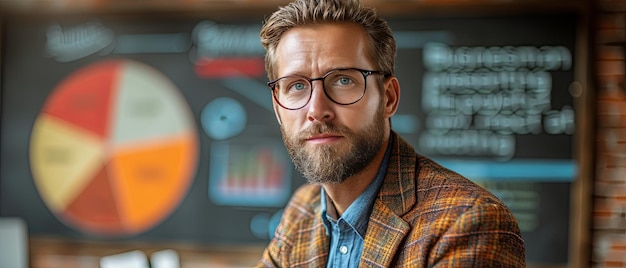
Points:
[[331, 163]]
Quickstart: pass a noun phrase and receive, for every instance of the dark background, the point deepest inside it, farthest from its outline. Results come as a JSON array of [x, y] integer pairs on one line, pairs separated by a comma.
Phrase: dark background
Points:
[[29, 76]]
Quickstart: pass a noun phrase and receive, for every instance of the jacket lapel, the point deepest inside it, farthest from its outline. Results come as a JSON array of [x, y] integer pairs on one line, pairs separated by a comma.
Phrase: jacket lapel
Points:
[[318, 244], [385, 233], [386, 230], [320, 240], [312, 243]]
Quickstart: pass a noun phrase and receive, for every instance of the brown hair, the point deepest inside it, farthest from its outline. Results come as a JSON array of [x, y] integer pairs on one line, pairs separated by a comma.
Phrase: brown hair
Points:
[[307, 12]]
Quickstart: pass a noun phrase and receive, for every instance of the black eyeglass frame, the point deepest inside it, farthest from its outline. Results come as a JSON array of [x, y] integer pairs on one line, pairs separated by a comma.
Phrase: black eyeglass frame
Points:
[[365, 73]]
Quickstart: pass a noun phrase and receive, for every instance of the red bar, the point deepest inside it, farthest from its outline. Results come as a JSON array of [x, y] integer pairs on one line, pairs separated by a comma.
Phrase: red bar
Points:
[[229, 67]]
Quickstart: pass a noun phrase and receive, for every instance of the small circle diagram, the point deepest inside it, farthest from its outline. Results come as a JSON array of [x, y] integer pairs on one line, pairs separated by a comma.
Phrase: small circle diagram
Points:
[[223, 118], [114, 149]]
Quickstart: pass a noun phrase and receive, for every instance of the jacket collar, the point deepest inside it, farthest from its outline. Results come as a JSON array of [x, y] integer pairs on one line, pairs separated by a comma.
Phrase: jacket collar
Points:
[[396, 197], [398, 191]]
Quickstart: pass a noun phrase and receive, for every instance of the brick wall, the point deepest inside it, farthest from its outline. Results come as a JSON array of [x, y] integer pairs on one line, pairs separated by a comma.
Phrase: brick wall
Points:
[[609, 210]]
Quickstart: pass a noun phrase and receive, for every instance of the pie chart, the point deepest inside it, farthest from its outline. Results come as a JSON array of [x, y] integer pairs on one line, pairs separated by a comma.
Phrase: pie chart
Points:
[[114, 148]]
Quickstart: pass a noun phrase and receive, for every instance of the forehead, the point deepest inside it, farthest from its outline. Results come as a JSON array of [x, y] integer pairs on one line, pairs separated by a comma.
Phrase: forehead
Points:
[[316, 49]]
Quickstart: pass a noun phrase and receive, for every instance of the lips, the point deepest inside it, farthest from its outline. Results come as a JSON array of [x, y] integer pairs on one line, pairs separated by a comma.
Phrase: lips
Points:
[[323, 138]]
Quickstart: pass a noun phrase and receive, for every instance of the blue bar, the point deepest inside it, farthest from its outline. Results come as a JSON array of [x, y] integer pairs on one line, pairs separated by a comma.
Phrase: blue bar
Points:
[[541, 170]]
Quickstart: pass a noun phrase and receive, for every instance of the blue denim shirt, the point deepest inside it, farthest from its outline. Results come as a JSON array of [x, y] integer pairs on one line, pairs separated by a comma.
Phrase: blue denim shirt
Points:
[[347, 233]]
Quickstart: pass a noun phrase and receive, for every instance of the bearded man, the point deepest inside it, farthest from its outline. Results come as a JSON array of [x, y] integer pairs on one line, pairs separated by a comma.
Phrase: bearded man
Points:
[[371, 200]]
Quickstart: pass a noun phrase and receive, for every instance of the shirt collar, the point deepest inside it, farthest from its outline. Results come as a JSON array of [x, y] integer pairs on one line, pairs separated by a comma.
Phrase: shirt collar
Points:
[[358, 213]]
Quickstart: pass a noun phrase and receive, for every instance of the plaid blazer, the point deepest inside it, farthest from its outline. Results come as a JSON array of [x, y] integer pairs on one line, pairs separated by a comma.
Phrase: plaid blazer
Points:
[[424, 216]]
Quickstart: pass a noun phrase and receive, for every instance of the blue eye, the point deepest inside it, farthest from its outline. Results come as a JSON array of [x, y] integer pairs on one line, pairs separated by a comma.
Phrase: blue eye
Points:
[[344, 81], [298, 86]]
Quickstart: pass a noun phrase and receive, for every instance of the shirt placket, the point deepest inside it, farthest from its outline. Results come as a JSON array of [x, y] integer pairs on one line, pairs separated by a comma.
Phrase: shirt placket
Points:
[[345, 244]]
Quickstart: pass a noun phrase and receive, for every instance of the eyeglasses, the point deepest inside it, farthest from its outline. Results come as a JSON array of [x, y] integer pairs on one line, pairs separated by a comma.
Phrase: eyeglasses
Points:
[[342, 86]]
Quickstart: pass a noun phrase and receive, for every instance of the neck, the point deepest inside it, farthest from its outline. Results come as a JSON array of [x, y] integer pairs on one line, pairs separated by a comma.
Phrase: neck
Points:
[[344, 193]]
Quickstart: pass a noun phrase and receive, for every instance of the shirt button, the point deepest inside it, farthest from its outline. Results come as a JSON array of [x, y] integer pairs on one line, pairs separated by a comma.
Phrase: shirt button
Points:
[[343, 249]]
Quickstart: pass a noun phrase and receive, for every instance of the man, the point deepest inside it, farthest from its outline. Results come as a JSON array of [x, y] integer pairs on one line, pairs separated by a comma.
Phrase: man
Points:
[[371, 201]]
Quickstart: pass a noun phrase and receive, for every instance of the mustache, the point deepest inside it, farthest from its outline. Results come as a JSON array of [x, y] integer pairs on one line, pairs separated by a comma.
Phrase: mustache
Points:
[[323, 128]]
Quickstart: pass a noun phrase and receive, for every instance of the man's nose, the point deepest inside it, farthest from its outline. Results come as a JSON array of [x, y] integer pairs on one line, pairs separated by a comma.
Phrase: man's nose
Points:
[[320, 107]]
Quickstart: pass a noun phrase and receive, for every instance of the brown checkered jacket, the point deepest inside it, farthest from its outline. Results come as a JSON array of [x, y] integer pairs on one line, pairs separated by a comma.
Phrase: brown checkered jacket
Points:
[[424, 216]]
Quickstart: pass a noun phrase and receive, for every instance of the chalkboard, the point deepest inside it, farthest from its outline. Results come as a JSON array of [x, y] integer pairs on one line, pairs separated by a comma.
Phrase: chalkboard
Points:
[[489, 98], [103, 116]]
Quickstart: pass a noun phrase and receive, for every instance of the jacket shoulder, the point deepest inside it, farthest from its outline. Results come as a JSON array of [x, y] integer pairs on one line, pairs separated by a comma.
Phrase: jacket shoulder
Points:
[[299, 238], [304, 204], [437, 182], [452, 210]]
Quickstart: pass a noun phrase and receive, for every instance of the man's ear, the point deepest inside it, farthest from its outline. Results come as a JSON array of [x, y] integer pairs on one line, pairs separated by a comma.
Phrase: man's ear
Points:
[[391, 94]]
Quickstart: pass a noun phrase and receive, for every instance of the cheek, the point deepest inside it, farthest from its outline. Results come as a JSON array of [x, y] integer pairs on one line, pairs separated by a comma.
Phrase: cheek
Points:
[[358, 117], [290, 121], [364, 115], [372, 105]]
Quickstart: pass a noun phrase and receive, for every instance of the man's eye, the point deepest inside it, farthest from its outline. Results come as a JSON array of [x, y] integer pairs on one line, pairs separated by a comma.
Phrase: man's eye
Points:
[[298, 86], [344, 81]]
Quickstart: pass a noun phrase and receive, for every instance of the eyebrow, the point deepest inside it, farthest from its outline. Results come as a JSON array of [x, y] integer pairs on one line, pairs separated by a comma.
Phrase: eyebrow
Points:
[[298, 73]]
